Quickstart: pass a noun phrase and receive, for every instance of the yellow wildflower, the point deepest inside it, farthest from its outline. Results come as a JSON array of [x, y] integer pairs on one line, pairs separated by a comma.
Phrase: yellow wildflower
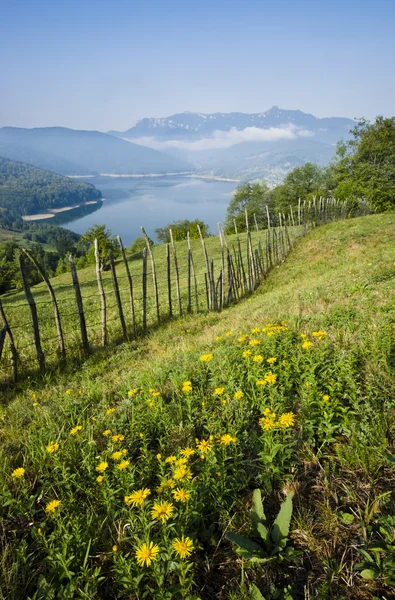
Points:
[[75, 429], [109, 411], [116, 455], [181, 495], [18, 473], [187, 386], [271, 360], [318, 334], [146, 553], [159, 456], [107, 432], [68, 392], [254, 342], [239, 395], [137, 498], [52, 447], [242, 338], [123, 464], [229, 333], [115, 548], [270, 333], [286, 420], [168, 484], [203, 446], [187, 452], [52, 506], [181, 473], [258, 358], [307, 345], [227, 439], [218, 338], [206, 357], [219, 391], [183, 546], [266, 423], [255, 330], [102, 467], [162, 511], [170, 459], [132, 392], [181, 461], [99, 479], [118, 437], [247, 353], [325, 398], [260, 382], [155, 394], [270, 377]]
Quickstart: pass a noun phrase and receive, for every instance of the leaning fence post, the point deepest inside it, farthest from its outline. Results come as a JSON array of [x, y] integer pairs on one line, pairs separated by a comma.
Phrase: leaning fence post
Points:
[[189, 304], [144, 286], [53, 299], [173, 247], [269, 259], [117, 295], [103, 306], [33, 312], [76, 284], [128, 275], [210, 299], [154, 280], [169, 279], [14, 353]]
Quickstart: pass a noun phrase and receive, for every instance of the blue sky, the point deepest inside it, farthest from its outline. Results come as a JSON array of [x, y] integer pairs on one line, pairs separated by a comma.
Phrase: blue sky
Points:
[[103, 64]]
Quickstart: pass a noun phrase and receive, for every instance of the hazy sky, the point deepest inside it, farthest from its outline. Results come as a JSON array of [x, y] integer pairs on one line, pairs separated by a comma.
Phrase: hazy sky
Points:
[[104, 64]]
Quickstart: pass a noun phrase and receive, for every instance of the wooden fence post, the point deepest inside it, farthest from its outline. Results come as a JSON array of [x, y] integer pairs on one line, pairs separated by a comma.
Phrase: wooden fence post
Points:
[[193, 273], [144, 287], [76, 285], [58, 323], [33, 312], [269, 257], [14, 353], [130, 281], [154, 279], [210, 299], [252, 269], [173, 247], [103, 305], [169, 279], [117, 294], [243, 278]]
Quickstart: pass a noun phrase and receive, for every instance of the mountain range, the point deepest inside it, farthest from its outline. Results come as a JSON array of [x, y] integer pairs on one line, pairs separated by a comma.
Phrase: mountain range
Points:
[[246, 146], [73, 152]]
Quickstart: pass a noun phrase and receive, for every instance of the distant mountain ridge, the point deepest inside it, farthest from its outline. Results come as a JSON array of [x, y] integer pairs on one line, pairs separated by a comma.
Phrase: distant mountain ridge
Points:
[[77, 152], [193, 126]]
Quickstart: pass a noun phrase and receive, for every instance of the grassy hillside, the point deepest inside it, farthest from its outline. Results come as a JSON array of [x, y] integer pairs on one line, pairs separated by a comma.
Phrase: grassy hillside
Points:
[[167, 436]]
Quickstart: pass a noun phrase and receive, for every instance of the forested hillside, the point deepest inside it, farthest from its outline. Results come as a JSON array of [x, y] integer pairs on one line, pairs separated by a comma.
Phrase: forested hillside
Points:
[[25, 190]]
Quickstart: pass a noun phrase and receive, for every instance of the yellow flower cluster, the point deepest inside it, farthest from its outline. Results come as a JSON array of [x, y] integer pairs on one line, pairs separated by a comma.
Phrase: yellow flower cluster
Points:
[[319, 334], [75, 429], [137, 498], [268, 421], [18, 473], [52, 447], [187, 386], [219, 391], [258, 358], [227, 439], [206, 357], [239, 395], [307, 345]]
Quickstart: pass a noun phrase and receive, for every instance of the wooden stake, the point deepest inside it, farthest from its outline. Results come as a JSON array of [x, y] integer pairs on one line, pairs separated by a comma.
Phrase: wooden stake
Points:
[[130, 281], [177, 273], [168, 262], [154, 280], [103, 304], [144, 286], [14, 353], [76, 285], [117, 295], [51, 292], [33, 312], [210, 299]]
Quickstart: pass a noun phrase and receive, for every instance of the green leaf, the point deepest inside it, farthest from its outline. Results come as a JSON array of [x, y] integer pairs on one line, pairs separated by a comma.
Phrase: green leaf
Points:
[[264, 533], [257, 513], [244, 543], [255, 594], [282, 522], [368, 574]]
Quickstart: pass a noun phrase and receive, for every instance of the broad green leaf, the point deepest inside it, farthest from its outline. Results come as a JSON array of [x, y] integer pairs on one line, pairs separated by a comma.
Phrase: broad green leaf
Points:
[[255, 594], [282, 522], [368, 574], [243, 542], [257, 513]]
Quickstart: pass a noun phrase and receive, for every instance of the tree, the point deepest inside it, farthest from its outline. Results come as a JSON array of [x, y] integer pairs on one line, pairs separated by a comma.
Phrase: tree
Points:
[[365, 166], [254, 197], [302, 182], [105, 243], [180, 230], [138, 246]]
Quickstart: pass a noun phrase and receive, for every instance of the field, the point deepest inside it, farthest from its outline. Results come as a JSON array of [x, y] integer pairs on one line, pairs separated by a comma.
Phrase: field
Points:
[[133, 474]]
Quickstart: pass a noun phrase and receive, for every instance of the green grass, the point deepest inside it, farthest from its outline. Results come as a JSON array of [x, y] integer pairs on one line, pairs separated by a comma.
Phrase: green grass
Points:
[[336, 457]]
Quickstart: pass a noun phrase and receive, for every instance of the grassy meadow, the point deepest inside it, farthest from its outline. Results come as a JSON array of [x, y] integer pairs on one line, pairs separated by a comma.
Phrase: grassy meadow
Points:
[[136, 474]]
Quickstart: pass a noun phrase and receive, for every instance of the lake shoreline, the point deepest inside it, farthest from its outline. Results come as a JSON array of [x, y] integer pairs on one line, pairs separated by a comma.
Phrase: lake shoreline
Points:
[[189, 174], [52, 212]]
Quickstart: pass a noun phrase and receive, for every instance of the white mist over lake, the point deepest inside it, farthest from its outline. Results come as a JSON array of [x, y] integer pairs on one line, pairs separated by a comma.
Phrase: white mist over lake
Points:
[[155, 202]]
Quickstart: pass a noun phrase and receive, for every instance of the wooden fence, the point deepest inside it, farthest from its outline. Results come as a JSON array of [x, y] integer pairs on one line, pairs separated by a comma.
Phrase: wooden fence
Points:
[[43, 328]]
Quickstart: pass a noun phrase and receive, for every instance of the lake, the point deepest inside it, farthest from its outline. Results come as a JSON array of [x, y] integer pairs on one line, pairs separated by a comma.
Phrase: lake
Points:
[[153, 202]]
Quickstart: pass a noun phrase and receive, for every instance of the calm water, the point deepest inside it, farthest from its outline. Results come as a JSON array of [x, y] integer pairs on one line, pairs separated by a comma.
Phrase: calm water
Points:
[[154, 202]]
